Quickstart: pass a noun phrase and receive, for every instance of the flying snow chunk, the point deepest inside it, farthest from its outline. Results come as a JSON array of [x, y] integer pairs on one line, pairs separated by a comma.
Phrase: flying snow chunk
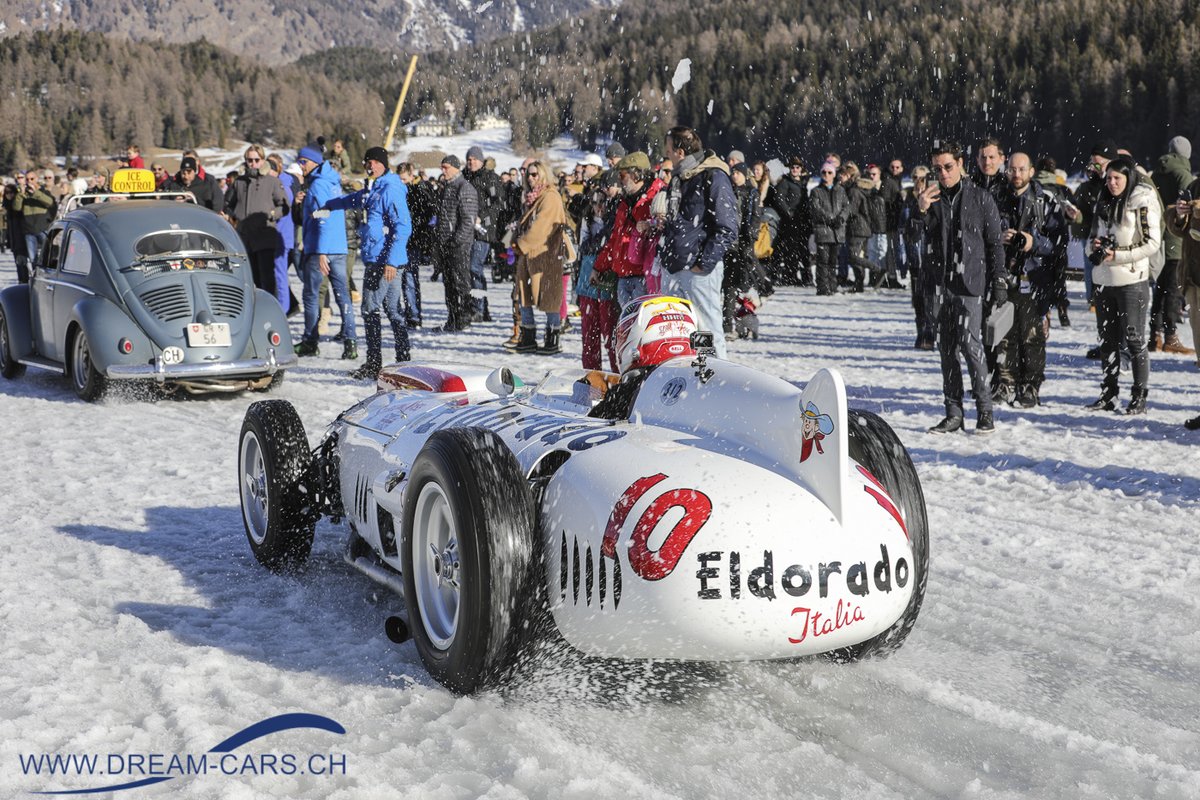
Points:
[[482, 8], [683, 74], [710, 104]]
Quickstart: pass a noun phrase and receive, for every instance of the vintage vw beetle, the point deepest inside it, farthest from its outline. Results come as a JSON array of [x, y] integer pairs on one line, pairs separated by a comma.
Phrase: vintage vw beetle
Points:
[[714, 513], [153, 289]]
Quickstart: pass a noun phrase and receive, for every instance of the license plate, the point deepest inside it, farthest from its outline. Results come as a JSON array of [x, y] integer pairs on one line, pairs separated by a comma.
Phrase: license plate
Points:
[[214, 335]]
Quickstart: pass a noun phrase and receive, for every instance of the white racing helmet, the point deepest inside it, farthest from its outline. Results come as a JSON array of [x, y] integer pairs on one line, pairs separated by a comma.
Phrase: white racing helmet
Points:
[[653, 329]]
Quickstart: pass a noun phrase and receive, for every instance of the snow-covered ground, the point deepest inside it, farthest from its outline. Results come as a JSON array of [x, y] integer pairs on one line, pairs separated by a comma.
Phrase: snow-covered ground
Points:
[[1057, 654]]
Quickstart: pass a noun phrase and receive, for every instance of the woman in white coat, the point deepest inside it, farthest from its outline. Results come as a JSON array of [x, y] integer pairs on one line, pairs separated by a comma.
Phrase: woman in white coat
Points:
[[1126, 233]]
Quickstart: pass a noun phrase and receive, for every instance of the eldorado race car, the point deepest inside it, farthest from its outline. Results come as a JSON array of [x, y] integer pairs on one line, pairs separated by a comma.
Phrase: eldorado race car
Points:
[[697, 509]]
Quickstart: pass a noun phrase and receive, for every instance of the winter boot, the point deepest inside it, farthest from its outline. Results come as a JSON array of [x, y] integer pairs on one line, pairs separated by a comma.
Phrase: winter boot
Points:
[[528, 341], [515, 338], [1193, 424], [368, 371], [551, 346], [1095, 354], [1106, 402], [350, 350], [984, 423], [1172, 345], [1003, 393], [1027, 396], [323, 323], [308, 349], [950, 424], [1155, 343], [1137, 402]]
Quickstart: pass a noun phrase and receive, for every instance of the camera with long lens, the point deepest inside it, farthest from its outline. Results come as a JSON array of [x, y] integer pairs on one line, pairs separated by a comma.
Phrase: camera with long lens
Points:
[[1107, 245]]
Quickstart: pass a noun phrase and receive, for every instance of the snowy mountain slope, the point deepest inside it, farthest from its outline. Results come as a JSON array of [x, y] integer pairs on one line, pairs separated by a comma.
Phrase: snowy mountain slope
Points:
[[1057, 654], [283, 30]]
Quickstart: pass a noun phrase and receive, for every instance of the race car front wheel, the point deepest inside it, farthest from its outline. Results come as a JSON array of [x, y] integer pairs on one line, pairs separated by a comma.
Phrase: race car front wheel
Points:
[[467, 555], [273, 457], [876, 446], [87, 381], [9, 367]]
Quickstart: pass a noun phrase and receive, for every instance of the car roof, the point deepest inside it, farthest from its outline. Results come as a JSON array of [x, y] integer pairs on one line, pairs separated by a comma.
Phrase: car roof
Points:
[[122, 223]]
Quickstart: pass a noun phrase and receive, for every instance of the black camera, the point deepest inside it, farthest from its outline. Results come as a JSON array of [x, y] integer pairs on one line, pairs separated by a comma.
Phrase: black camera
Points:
[[1185, 196], [1107, 245]]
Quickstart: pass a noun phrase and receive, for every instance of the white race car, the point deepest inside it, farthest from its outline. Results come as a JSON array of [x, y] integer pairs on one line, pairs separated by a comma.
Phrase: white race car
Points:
[[695, 509]]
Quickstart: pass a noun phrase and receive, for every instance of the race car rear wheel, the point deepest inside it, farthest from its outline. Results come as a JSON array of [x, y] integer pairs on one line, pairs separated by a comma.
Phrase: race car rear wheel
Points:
[[87, 381], [468, 557], [875, 445], [9, 367], [273, 457]]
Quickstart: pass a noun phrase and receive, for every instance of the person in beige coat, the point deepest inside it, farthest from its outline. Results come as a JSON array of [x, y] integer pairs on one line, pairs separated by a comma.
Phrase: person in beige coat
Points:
[[540, 250]]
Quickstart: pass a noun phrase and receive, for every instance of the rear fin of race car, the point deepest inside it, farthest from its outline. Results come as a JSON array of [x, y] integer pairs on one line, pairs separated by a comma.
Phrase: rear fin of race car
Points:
[[824, 450]]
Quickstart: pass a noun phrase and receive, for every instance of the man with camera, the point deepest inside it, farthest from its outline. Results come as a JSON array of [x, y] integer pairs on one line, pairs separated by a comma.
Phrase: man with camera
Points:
[[36, 207], [965, 258], [1035, 232]]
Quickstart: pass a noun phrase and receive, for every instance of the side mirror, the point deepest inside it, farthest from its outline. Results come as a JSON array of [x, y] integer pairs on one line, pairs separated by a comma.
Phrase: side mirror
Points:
[[501, 382]]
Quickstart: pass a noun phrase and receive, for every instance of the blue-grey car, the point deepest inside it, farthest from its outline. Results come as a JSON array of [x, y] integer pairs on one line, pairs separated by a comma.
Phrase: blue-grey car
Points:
[[153, 290]]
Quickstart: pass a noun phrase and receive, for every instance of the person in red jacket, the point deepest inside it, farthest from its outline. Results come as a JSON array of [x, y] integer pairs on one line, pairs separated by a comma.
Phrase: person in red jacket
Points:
[[629, 250], [133, 157]]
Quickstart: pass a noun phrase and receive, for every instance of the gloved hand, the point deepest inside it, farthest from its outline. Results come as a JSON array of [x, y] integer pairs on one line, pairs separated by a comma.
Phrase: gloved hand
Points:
[[999, 294]]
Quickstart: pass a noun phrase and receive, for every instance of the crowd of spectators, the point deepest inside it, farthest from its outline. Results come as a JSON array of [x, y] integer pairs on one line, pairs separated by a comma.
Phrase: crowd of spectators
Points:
[[983, 246]]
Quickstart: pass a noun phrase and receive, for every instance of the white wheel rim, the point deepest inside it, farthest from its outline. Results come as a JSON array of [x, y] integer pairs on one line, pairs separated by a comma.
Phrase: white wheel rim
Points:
[[81, 363], [253, 472], [436, 568]]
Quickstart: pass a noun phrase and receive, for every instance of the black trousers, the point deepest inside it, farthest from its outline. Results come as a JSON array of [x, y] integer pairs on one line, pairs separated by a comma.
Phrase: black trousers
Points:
[[1021, 359], [1167, 309], [262, 268], [455, 266], [827, 268], [1122, 311], [960, 331]]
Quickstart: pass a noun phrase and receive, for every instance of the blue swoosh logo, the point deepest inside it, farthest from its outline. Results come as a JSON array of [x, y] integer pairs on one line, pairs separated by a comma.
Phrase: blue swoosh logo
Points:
[[283, 722]]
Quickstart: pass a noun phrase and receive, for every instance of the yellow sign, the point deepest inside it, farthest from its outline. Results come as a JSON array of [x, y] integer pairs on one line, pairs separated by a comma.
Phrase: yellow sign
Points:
[[132, 181]]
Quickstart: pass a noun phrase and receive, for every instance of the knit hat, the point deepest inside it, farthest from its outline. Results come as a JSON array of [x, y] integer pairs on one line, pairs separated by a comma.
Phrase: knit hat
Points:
[[1105, 149], [475, 151], [188, 163], [742, 168], [311, 152], [737, 155], [1180, 146], [636, 160], [452, 160], [615, 150], [376, 154], [592, 160]]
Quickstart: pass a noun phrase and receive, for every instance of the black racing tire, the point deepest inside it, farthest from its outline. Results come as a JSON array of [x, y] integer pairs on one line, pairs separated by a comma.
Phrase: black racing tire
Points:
[[273, 460], [876, 446], [9, 367], [469, 559], [89, 384]]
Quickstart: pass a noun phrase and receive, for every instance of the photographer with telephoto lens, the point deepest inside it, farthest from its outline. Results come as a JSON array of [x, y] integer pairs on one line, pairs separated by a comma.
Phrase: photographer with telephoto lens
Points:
[[1126, 232]]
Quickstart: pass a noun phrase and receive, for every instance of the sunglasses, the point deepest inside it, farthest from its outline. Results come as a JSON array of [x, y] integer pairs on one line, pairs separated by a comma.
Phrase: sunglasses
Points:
[[826, 172], [944, 167], [250, 160], [531, 174]]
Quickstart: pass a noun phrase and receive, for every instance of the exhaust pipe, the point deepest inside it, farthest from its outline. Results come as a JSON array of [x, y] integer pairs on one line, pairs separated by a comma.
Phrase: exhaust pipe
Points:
[[395, 627]]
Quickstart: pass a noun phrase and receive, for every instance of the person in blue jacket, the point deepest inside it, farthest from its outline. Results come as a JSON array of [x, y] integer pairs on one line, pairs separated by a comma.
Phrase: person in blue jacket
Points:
[[323, 232], [383, 247]]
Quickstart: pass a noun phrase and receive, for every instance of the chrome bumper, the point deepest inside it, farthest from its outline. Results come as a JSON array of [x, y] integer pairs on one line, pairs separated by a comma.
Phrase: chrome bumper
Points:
[[158, 371]]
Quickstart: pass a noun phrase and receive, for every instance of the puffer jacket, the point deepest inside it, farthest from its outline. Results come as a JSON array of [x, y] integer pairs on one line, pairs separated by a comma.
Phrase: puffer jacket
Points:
[[457, 213], [830, 207], [386, 226], [323, 232], [625, 245], [1137, 235], [858, 222], [702, 222]]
